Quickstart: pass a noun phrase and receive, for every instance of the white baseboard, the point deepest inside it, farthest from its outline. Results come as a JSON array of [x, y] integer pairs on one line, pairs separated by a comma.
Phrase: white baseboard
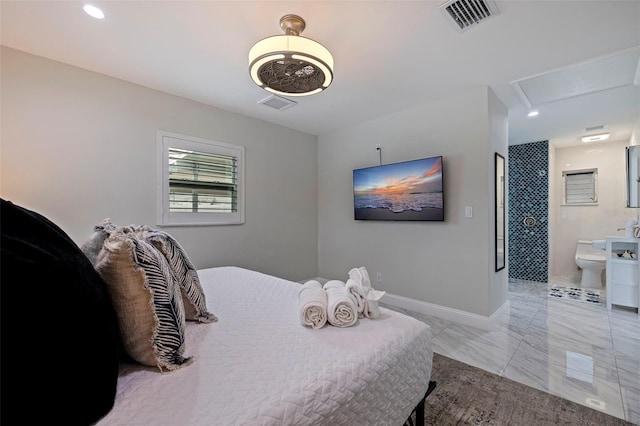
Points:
[[446, 313]]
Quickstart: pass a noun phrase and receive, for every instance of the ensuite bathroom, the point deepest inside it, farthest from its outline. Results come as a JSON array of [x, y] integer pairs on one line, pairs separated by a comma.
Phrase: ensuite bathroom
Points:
[[568, 210]]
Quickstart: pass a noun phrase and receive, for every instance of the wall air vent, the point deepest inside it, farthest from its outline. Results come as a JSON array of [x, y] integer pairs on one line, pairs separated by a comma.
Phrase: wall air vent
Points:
[[277, 102], [468, 13]]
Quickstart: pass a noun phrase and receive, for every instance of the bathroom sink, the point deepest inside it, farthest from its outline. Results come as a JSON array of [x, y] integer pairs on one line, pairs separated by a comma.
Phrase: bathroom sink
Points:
[[599, 244]]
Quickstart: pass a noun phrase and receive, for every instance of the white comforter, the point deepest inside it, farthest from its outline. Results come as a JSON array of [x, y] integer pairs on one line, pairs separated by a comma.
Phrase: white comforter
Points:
[[259, 366]]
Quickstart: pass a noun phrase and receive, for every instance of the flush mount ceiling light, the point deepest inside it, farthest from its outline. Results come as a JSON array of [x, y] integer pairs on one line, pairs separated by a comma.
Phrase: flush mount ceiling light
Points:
[[289, 64], [596, 138], [93, 11]]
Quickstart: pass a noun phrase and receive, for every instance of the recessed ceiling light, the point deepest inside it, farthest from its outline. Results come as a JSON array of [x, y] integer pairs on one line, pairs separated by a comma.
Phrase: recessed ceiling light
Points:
[[93, 11], [596, 138], [532, 114]]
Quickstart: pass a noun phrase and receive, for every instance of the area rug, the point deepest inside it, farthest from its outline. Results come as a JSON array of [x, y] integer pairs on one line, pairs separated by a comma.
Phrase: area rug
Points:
[[466, 395], [592, 296]]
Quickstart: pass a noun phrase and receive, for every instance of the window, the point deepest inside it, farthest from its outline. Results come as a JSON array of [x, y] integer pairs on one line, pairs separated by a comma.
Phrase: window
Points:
[[200, 182], [580, 186]]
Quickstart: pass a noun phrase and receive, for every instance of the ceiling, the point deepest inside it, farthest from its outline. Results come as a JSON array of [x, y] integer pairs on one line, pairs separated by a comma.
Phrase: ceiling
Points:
[[389, 56]]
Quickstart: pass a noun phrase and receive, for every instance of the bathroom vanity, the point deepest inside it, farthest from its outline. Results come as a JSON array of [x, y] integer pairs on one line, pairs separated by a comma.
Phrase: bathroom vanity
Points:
[[623, 272]]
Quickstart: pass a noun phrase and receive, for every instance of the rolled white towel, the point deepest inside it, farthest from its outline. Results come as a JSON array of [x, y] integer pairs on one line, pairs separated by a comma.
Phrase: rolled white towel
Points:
[[313, 304], [357, 292], [341, 307], [371, 296]]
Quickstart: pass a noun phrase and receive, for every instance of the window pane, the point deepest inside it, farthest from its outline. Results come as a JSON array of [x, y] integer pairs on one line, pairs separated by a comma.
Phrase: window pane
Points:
[[580, 187], [202, 182], [203, 200], [199, 181]]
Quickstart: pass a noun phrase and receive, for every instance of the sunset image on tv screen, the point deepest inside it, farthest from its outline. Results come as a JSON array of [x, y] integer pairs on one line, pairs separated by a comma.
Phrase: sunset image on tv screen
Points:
[[410, 190]]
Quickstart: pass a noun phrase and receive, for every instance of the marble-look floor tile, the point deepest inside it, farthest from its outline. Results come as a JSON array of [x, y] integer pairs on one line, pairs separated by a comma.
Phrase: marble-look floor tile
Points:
[[517, 323], [574, 309], [526, 301], [519, 316], [627, 324], [489, 350], [532, 300], [625, 343], [629, 371], [631, 404], [575, 350], [593, 392], [632, 415], [578, 360], [580, 330], [528, 287]]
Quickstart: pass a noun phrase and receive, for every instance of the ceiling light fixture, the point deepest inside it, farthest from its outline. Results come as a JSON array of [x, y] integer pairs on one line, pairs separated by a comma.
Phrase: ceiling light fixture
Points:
[[93, 11], [289, 64], [596, 138], [533, 114]]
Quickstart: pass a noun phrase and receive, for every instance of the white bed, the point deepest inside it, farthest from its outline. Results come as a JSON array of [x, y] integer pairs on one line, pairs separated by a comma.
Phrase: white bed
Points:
[[259, 366]]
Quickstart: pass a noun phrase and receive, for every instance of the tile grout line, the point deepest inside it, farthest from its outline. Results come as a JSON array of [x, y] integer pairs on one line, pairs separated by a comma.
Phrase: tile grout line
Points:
[[615, 360], [511, 358]]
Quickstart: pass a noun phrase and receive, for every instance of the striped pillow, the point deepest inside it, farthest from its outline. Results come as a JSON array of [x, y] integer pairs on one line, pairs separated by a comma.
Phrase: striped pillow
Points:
[[146, 298], [193, 297], [195, 304]]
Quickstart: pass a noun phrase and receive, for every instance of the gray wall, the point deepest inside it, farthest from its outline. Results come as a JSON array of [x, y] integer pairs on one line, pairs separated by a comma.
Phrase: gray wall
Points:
[[78, 147], [446, 263], [498, 136]]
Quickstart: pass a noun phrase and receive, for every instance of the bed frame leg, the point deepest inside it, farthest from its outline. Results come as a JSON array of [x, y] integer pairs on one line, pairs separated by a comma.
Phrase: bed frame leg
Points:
[[420, 413], [420, 407]]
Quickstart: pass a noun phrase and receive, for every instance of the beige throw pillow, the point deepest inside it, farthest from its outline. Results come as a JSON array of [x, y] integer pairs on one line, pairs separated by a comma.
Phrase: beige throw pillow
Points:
[[146, 298]]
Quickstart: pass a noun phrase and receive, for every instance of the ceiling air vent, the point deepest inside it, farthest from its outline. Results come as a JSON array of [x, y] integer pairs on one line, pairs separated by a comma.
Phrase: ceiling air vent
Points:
[[277, 102], [592, 128], [467, 13]]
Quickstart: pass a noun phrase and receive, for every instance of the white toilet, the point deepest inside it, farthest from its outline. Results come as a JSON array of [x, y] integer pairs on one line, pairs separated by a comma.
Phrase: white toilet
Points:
[[592, 261]]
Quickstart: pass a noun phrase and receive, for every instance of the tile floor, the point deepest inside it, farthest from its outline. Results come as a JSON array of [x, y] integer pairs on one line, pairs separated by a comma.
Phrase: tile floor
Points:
[[573, 349]]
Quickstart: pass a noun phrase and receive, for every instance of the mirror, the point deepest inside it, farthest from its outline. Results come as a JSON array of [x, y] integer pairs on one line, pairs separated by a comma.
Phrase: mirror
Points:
[[633, 176], [500, 214]]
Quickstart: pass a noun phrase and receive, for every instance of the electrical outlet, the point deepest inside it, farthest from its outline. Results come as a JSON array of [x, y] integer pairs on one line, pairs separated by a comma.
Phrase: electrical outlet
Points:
[[378, 146], [379, 277]]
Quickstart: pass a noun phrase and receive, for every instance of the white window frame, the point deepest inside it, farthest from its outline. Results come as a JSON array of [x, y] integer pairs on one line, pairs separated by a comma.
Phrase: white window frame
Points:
[[164, 217], [594, 174]]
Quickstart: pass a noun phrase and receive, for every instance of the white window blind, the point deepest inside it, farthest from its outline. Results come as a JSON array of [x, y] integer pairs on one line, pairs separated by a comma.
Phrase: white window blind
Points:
[[580, 186], [200, 182]]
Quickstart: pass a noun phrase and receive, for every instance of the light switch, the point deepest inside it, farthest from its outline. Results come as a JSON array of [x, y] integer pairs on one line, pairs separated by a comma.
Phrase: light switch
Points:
[[468, 211]]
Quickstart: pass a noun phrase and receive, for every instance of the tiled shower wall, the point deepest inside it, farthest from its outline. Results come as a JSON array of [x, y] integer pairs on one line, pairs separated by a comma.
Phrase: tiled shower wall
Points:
[[528, 174]]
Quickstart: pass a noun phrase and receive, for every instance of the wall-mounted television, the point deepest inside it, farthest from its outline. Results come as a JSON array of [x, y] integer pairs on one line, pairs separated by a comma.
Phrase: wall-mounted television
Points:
[[405, 191]]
